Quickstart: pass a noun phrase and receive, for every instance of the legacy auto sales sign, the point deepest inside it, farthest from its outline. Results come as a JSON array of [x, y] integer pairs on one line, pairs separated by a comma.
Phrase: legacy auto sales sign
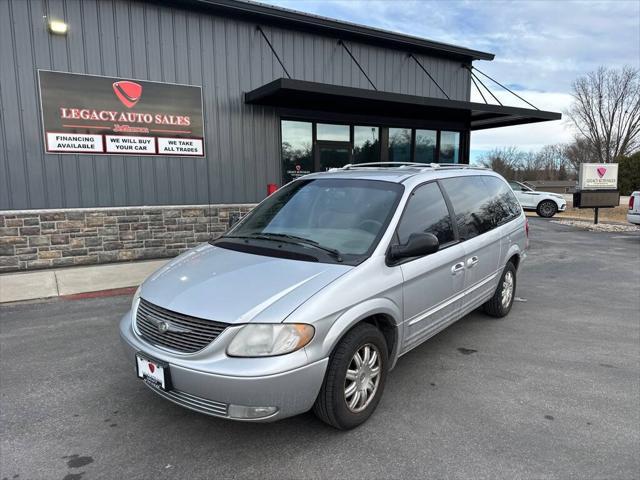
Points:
[[104, 115]]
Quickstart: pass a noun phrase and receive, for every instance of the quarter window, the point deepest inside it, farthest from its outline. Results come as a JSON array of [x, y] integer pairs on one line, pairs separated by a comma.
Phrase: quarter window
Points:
[[426, 212]]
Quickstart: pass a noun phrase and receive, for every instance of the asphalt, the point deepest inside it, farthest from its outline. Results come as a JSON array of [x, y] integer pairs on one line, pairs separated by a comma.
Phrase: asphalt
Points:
[[551, 391]]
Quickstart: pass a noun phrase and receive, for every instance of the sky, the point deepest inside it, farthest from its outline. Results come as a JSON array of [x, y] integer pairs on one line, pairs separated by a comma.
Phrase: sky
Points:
[[541, 47]]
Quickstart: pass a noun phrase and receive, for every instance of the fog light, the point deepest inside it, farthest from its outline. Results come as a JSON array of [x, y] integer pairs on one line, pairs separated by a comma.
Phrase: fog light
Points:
[[240, 411]]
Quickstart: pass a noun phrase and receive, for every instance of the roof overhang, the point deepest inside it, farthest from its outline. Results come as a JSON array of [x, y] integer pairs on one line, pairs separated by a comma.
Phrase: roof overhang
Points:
[[300, 94]]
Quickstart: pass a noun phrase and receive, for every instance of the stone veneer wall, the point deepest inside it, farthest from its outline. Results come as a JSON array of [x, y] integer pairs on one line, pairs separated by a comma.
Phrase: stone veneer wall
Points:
[[36, 239]]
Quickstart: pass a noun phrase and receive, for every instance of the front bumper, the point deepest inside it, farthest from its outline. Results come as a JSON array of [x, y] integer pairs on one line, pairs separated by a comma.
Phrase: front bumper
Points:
[[291, 391], [562, 207]]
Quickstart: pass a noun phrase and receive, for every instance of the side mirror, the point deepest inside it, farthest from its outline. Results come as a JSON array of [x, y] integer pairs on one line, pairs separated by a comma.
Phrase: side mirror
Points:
[[418, 245]]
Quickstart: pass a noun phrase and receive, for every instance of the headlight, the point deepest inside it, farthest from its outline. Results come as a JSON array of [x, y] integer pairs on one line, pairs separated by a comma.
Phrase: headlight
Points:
[[269, 339], [136, 296]]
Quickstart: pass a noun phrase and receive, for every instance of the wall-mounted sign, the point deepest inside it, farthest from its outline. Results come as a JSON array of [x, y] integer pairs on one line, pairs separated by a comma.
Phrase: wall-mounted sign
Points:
[[596, 176], [91, 115]]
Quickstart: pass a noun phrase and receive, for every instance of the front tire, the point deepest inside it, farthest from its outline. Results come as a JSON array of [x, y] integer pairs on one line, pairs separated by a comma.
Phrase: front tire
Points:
[[500, 304], [547, 208], [355, 378]]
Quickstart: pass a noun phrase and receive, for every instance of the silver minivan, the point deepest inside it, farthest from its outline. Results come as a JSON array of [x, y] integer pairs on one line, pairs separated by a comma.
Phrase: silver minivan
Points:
[[309, 301]]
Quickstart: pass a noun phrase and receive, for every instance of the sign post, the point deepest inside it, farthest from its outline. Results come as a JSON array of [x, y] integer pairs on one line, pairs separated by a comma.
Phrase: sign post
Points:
[[597, 187]]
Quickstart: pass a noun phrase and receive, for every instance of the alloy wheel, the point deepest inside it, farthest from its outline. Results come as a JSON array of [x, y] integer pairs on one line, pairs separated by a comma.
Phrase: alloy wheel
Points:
[[363, 377], [507, 289]]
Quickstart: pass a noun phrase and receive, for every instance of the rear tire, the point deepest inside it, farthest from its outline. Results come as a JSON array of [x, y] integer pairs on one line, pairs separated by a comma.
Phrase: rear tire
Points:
[[500, 304], [547, 208], [342, 401]]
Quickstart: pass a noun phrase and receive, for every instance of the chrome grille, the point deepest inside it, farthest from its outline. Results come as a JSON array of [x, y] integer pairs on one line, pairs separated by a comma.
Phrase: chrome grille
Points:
[[199, 334], [199, 404]]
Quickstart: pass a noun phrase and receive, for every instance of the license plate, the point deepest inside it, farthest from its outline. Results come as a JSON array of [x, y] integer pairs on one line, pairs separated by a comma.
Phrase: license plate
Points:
[[153, 372]]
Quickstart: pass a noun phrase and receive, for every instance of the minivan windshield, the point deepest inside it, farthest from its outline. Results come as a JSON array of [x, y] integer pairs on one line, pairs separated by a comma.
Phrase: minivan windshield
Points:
[[338, 218]]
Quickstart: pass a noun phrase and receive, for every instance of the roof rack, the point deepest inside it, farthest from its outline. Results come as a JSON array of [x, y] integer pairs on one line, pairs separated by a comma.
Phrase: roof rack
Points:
[[459, 165], [352, 166], [435, 166]]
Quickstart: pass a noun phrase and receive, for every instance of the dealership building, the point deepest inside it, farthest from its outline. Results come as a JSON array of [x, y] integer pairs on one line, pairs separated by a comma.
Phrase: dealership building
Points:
[[135, 129]]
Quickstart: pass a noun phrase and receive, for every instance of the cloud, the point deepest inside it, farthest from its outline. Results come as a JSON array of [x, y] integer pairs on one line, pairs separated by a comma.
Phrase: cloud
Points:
[[541, 46]]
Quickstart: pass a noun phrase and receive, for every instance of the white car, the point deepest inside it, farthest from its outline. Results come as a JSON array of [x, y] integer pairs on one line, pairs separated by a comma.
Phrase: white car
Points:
[[546, 204], [633, 215]]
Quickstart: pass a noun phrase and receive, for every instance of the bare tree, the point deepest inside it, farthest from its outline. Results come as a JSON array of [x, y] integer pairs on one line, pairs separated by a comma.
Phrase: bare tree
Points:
[[505, 161], [549, 163], [606, 111], [580, 151]]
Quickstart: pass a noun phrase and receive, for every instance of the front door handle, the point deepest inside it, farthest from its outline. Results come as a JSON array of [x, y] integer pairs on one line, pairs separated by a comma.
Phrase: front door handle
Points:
[[458, 267], [472, 261]]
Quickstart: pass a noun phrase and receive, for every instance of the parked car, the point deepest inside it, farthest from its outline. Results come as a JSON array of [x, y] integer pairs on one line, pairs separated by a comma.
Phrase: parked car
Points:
[[633, 214], [311, 299], [545, 204]]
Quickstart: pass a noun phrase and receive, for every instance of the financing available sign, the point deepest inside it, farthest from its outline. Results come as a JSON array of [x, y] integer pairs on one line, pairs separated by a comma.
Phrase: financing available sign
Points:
[[94, 115], [598, 176]]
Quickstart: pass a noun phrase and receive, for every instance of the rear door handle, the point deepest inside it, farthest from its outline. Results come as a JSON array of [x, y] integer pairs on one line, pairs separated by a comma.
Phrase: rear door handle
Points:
[[472, 261], [458, 267]]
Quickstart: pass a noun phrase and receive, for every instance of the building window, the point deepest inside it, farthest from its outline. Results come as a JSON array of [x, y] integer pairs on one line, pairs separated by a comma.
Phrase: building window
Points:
[[333, 133], [426, 144], [297, 140], [309, 147], [399, 144], [366, 144], [449, 147]]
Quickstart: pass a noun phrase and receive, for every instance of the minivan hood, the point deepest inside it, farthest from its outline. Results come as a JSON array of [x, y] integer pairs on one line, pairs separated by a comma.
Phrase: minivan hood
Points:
[[236, 287]]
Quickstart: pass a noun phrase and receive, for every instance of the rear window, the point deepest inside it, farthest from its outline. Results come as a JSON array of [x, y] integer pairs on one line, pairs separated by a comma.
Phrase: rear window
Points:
[[480, 203]]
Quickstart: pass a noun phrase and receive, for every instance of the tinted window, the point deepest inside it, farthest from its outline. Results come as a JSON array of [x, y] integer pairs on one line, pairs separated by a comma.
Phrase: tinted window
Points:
[[480, 203], [449, 147], [366, 144], [336, 133], [399, 144], [426, 141], [507, 207], [296, 149], [426, 212]]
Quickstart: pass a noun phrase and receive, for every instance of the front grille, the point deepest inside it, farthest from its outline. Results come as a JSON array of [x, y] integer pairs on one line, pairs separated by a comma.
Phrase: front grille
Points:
[[199, 404], [200, 332]]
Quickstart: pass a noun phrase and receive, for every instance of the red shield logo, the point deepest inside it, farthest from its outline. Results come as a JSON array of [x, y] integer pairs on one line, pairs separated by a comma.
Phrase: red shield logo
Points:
[[601, 171], [127, 92]]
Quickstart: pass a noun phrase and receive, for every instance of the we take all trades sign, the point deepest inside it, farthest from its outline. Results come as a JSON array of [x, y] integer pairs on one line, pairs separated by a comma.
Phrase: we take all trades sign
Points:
[[94, 115]]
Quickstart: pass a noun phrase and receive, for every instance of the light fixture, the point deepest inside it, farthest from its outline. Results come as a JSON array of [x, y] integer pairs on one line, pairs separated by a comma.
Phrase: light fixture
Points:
[[58, 27]]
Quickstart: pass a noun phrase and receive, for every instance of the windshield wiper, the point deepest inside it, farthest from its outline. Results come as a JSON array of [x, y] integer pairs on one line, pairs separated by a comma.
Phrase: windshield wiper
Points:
[[293, 239]]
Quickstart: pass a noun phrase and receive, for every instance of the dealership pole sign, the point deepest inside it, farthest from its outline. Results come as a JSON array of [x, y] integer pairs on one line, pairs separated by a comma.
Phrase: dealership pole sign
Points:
[[597, 187], [598, 176], [95, 115]]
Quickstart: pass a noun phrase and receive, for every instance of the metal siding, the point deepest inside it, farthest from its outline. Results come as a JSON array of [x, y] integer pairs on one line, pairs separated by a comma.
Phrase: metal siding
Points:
[[227, 57]]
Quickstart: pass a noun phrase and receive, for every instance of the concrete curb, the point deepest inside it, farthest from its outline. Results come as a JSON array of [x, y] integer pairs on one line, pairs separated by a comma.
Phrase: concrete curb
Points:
[[71, 282]]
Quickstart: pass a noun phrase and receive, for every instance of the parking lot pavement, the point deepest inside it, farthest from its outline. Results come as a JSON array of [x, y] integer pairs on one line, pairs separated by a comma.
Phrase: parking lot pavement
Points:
[[551, 391]]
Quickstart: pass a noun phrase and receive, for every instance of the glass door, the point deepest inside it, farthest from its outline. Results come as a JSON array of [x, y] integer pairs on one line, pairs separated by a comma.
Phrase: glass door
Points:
[[332, 155]]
